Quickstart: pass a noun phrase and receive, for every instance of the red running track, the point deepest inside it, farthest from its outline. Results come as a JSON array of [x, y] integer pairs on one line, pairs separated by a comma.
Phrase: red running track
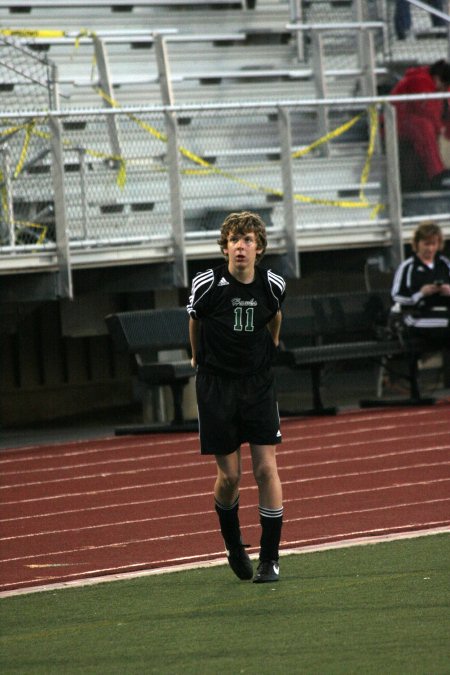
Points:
[[92, 508]]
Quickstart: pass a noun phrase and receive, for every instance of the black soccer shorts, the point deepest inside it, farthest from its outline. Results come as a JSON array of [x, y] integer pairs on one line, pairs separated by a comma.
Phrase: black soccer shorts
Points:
[[236, 411]]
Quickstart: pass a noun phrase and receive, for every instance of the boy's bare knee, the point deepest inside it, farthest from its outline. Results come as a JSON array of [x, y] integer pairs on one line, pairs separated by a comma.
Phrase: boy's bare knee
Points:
[[229, 481], [264, 473]]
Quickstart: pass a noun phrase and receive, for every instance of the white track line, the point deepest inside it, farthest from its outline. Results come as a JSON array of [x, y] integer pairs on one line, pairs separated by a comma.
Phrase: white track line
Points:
[[149, 443], [303, 423], [149, 469], [143, 502], [135, 521], [147, 440], [123, 488], [349, 540], [195, 451], [199, 533], [201, 459]]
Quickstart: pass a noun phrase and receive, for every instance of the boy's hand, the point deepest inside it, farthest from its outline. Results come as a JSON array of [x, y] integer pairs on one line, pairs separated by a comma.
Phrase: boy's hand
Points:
[[430, 289]]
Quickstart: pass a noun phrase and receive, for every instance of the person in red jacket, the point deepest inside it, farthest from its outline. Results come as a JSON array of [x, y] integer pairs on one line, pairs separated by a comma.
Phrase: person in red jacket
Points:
[[421, 122]]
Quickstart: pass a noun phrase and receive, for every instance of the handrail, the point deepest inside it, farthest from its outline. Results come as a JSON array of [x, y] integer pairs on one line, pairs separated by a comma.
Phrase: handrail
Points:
[[356, 103], [108, 3], [127, 36], [347, 25], [430, 9]]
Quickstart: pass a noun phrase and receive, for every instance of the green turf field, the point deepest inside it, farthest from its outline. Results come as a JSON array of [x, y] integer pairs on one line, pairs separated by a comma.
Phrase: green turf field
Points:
[[381, 608]]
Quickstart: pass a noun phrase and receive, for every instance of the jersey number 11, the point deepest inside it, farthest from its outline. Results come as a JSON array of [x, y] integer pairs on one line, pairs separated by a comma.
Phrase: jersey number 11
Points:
[[248, 318]]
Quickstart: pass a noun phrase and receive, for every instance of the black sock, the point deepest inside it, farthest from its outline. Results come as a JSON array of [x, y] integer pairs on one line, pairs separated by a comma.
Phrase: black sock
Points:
[[271, 522], [229, 523]]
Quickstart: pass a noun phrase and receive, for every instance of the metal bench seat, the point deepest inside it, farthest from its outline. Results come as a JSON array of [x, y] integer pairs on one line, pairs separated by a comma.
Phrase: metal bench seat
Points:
[[323, 329], [146, 333]]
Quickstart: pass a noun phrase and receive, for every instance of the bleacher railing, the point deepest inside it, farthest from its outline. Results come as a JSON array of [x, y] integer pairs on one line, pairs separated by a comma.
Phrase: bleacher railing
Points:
[[69, 201]]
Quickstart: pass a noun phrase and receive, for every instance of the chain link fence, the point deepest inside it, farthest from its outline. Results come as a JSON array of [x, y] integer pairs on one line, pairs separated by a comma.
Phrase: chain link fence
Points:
[[228, 159], [26, 83]]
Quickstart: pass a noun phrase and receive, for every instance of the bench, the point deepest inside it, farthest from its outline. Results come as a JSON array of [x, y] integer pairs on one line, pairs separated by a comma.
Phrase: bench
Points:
[[145, 334], [317, 330], [321, 329]]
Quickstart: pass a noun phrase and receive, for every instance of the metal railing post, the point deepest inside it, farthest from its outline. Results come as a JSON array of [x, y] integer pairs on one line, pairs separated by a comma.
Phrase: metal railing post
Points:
[[296, 16], [84, 208], [54, 87], [6, 195], [102, 62], [173, 160], [320, 86], [292, 258], [65, 288], [394, 195], [368, 64]]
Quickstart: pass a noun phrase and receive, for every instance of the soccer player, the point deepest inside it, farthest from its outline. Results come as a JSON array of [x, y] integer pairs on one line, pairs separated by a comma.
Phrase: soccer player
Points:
[[234, 326]]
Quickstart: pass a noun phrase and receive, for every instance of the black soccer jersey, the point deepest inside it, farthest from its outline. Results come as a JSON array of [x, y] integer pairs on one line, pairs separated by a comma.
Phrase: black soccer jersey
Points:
[[234, 339]]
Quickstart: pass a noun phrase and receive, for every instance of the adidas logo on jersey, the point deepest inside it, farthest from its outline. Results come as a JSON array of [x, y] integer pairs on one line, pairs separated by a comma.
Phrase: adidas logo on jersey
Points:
[[223, 282], [278, 434]]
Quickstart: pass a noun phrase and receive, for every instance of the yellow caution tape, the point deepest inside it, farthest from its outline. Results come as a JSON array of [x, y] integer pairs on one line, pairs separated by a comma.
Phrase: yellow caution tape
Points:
[[30, 32], [25, 223], [26, 32], [83, 33], [210, 168], [118, 159], [207, 167], [13, 130], [4, 194], [328, 137], [26, 142]]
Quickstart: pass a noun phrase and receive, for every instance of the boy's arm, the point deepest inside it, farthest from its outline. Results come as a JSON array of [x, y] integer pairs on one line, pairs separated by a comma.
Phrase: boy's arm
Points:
[[274, 326], [194, 328]]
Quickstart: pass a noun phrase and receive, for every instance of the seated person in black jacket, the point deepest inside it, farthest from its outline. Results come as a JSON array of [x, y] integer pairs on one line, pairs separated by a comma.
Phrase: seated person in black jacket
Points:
[[421, 286]]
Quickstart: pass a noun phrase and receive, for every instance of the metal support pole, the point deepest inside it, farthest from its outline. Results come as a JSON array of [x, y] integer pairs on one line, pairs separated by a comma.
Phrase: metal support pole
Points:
[[104, 75], [393, 185], [321, 89], [173, 160], [65, 289], [54, 87], [6, 196], [361, 34], [84, 209], [292, 258], [164, 74], [296, 16], [368, 64]]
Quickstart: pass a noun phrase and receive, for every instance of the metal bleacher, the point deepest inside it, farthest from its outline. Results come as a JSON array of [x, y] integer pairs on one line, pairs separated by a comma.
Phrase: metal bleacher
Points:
[[218, 52], [252, 56]]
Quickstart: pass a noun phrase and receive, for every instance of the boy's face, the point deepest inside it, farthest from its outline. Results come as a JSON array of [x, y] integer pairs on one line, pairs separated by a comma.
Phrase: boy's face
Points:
[[427, 248], [242, 250]]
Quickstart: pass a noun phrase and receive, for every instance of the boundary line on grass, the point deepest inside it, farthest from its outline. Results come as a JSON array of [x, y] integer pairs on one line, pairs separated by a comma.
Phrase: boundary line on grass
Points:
[[315, 548]]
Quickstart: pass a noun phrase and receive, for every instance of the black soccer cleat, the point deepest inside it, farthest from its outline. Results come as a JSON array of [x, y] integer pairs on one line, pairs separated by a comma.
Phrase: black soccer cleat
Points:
[[267, 572], [240, 563]]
